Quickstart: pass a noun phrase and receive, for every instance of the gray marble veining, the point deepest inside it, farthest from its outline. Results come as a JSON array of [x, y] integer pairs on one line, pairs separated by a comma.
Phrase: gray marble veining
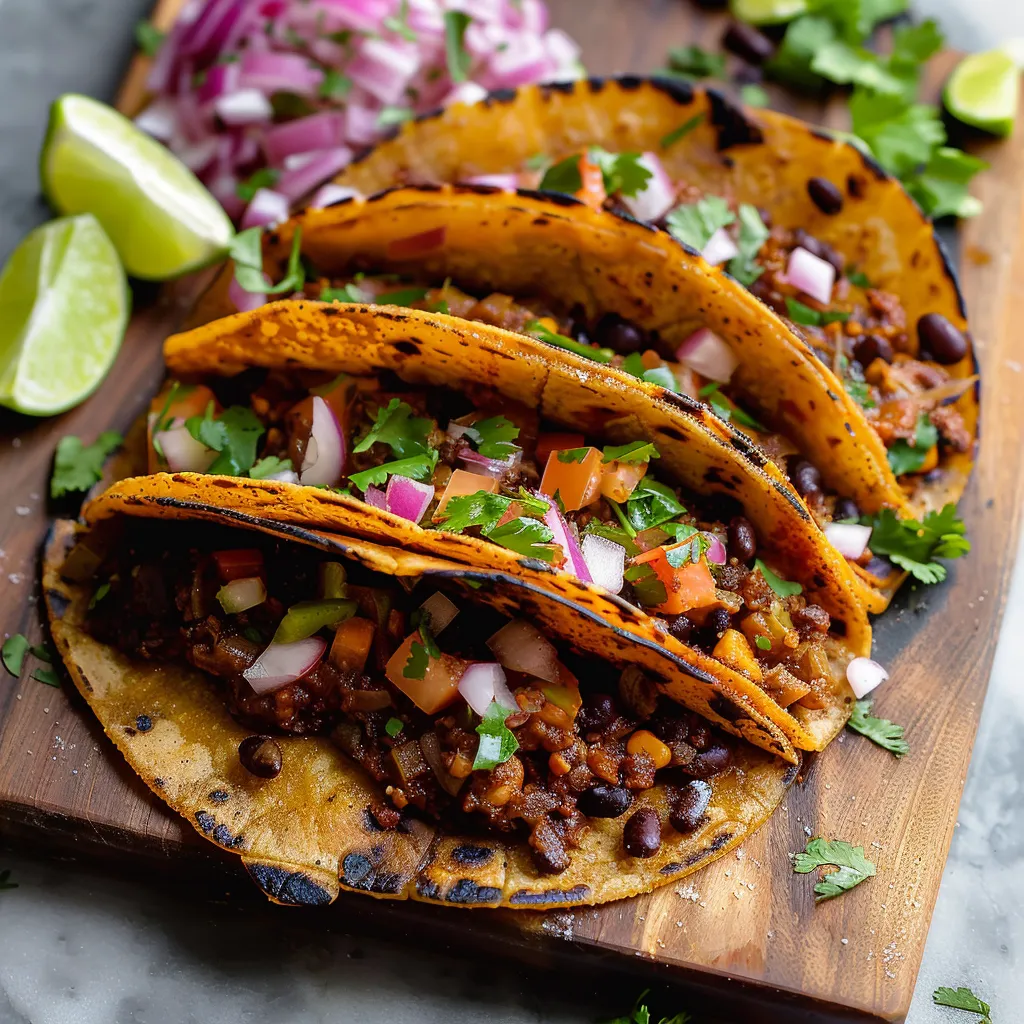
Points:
[[78, 947]]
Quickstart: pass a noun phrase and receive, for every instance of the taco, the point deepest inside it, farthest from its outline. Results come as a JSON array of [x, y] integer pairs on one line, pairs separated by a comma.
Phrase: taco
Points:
[[344, 716], [483, 450]]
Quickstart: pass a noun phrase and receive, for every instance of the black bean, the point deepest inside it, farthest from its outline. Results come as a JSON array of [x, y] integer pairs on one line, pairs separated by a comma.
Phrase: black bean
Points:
[[718, 621], [846, 508], [816, 247], [691, 805], [604, 801], [940, 340], [806, 478], [825, 195], [260, 755], [872, 347], [617, 333], [715, 758], [747, 42], [742, 539], [642, 834], [597, 711], [681, 629]]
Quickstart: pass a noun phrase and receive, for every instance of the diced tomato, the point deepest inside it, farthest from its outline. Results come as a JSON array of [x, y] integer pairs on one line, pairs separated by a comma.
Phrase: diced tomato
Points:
[[592, 192], [576, 483], [239, 564], [463, 482], [689, 586], [548, 443], [651, 360], [440, 683], [352, 642], [619, 479], [189, 400]]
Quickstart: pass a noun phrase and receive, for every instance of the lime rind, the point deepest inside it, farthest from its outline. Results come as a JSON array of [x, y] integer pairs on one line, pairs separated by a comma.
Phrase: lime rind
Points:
[[160, 217], [64, 306], [983, 91]]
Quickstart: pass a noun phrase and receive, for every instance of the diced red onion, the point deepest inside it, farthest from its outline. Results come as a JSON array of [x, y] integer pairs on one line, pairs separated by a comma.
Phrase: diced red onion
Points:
[[304, 135], [606, 561], [328, 195], [521, 647], [457, 430], [158, 119], [716, 549], [281, 664], [811, 274], [562, 48], [324, 460], [484, 682], [375, 496], [440, 610], [849, 539], [245, 301], [219, 80], [496, 468], [242, 594], [518, 65], [266, 207], [465, 92], [196, 157], [707, 354], [864, 675], [720, 248], [247, 106], [657, 197], [506, 181], [385, 68], [297, 183], [184, 454], [279, 72], [566, 540], [408, 498]]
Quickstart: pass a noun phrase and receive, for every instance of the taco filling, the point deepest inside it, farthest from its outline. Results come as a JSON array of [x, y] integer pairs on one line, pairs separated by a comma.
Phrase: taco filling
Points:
[[461, 716], [487, 467]]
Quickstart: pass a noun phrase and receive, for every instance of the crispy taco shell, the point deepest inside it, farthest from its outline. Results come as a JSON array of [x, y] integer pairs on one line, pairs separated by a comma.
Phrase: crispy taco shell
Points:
[[311, 831], [702, 454]]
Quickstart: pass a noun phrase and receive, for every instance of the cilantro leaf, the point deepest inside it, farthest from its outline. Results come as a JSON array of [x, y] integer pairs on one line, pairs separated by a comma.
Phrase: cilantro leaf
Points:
[[912, 45], [853, 866], [753, 95], [455, 25], [803, 39], [684, 129], [652, 504], [858, 278], [624, 174], [346, 293], [390, 115], [647, 588], [149, 38], [416, 467], [13, 653], [845, 64], [541, 332], [695, 223], [568, 455], [246, 249], [47, 676], [617, 534], [563, 176], [688, 551], [914, 545], [800, 313], [416, 665], [399, 24], [784, 588], [401, 297], [752, 235], [695, 62], [528, 537], [631, 453], [493, 437], [234, 434], [901, 136], [396, 427], [76, 467], [525, 536], [497, 742], [909, 458], [727, 409], [265, 177], [940, 187], [393, 726], [886, 734], [270, 466], [640, 1014], [960, 999], [483, 509], [335, 85], [98, 594]]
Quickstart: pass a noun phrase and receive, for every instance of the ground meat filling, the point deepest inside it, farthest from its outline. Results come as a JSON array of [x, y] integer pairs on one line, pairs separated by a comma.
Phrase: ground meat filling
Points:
[[575, 761]]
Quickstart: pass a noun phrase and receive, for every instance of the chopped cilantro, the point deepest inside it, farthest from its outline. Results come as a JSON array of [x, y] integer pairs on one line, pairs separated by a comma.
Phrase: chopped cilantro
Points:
[[640, 1014], [493, 437], [497, 742], [246, 249], [688, 551], [909, 458], [858, 278], [914, 545], [853, 867], [754, 95], [399, 23], [784, 588], [270, 466], [76, 467], [684, 129], [633, 452], [13, 653], [663, 377], [695, 223], [695, 62], [543, 333], [573, 454], [98, 594], [265, 177], [727, 409], [902, 136], [396, 427], [940, 187], [417, 467], [860, 392], [803, 314], [401, 297], [416, 665], [47, 676], [455, 25], [346, 293], [563, 176], [234, 435], [752, 235], [652, 504], [624, 174], [42, 652], [149, 38], [886, 734], [390, 116], [622, 535], [5, 880], [960, 999], [528, 537], [648, 589], [393, 726], [335, 85], [764, 643]]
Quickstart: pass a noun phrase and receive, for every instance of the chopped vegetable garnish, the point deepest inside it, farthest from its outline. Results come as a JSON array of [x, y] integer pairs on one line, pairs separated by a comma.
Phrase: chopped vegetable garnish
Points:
[[234, 434], [47, 676], [270, 466], [575, 475], [265, 177], [695, 223], [308, 617], [396, 427], [493, 437], [347, 293], [754, 95], [784, 588], [13, 652], [652, 504], [686, 586], [393, 726], [401, 297], [455, 25], [727, 408], [763, 642], [624, 173], [641, 1015], [416, 467], [886, 734], [544, 333], [960, 999], [907, 458], [98, 594], [691, 550], [148, 37], [914, 545], [800, 313], [487, 510], [752, 235], [246, 249], [390, 116], [695, 62], [853, 866], [76, 467], [684, 129], [497, 742]]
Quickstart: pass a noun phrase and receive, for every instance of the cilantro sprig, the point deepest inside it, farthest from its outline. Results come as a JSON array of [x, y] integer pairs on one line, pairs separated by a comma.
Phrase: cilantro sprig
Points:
[[905, 457], [651, 504], [623, 174], [497, 741], [544, 333], [493, 437], [631, 453], [234, 435], [77, 466], [417, 467], [396, 427], [851, 864], [246, 249], [888, 735], [961, 999], [784, 588], [640, 1014], [915, 545], [695, 223], [525, 534], [13, 653]]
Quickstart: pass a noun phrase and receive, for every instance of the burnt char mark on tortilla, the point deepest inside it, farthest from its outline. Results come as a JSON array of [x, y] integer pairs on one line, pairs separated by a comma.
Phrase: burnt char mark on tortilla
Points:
[[792, 771], [954, 280], [466, 891], [58, 603], [567, 88], [429, 115], [712, 848], [500, 96], [291, 887], [872, 165], [625, 215], [735, 127], [480, 190], [681, 92], [574, 895], [561, 198], [822, 133], [468, 854], [689, 405], [748, 448], [791, 496]]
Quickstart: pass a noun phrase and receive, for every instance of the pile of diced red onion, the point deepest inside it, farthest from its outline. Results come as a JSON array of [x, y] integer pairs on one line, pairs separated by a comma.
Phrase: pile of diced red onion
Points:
[[239, 85]]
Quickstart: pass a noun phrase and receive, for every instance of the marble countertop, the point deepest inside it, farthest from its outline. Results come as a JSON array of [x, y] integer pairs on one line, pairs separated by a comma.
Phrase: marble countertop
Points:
[[80, 946]]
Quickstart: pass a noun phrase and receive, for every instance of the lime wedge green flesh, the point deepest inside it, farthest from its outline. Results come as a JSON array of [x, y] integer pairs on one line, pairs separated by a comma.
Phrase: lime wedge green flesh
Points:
[[767, 12], [983, 91], [156, 211], [64, 305]]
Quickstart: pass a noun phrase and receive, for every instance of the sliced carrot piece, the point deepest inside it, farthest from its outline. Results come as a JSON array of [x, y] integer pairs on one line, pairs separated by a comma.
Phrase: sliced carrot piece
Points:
[[576, 483]]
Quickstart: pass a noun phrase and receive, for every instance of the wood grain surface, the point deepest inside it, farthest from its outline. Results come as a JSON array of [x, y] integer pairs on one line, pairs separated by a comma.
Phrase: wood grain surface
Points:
[[744, 932]]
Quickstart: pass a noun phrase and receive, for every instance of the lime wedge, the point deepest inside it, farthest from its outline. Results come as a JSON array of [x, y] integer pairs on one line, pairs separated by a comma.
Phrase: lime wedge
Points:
[[63, 308], [982, 91], [767, 12], [158, 214]]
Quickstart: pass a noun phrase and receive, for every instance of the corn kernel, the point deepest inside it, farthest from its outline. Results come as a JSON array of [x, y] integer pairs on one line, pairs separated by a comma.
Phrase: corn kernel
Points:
[[646, 742]]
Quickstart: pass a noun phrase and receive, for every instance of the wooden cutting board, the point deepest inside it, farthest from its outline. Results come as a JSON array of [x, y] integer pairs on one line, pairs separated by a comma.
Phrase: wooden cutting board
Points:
[[744, 932]]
